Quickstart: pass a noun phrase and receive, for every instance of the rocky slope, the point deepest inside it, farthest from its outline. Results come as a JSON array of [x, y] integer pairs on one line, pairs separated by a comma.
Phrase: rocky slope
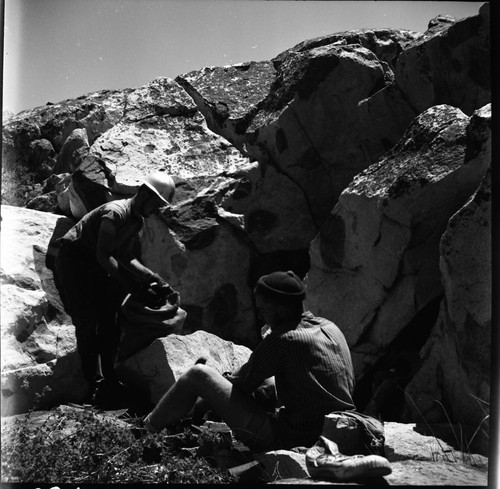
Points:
[[359, 160]]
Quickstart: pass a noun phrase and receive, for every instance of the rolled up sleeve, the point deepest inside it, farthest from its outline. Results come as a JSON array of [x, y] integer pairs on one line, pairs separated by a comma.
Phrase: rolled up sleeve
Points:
[[265, 361]]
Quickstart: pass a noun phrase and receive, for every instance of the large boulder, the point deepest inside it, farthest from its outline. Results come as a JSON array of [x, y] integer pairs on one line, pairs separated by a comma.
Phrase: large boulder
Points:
[[167, 134], [39, 363], [181, 146], [375, 262], [450, 64], [204, 255], [68, 158], [154, 369], [386, 44], [227, 96], [454, 379], [96, 112], [307, 127]]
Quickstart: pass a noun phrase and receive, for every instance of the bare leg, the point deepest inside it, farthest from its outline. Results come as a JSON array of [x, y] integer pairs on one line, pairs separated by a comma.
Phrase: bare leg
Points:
[[235, 407]]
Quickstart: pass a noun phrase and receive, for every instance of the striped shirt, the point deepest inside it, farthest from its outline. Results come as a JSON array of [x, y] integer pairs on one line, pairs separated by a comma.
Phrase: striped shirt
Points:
[[313, 373]]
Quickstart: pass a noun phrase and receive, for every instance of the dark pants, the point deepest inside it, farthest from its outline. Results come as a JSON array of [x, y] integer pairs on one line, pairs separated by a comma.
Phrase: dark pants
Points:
[[92, 299]]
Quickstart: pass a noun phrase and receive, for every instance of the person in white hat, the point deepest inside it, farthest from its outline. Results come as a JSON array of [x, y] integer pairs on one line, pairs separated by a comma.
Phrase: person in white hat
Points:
[[97, 266]]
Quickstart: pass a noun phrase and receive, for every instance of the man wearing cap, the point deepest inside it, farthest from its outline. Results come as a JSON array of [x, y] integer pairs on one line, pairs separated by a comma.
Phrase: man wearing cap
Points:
[[97, 266], [308, 358]]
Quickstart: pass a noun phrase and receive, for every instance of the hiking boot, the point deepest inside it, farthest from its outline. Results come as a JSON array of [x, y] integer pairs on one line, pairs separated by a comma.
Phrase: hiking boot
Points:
[[323, 461]]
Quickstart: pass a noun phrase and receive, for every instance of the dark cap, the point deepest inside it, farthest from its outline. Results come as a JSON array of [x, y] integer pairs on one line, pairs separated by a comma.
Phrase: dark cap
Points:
[[281, 286]]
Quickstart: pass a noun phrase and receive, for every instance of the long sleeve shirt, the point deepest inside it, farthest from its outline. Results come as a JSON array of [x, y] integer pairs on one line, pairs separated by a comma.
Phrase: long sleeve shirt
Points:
[[313, 373]]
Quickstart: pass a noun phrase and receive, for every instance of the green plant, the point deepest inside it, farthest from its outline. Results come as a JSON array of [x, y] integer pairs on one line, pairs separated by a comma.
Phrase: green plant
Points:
[[463, 443], [79, 446]]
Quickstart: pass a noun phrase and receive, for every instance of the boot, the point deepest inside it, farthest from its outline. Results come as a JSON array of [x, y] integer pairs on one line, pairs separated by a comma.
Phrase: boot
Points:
[[323, 461]]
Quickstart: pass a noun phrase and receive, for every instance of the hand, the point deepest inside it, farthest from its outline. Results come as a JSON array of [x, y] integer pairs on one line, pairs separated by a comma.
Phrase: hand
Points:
[[162, 288], [174, 298]]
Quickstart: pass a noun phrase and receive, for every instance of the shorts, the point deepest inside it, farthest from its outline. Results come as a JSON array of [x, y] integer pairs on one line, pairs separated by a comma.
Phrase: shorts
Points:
[[261, 432]]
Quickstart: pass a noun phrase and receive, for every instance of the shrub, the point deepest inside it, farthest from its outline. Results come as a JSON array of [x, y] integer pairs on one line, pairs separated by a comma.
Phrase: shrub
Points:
[[79, 446], [17, 186]]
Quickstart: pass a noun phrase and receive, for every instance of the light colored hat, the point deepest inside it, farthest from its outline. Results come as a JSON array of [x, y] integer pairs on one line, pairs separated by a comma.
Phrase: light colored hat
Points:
[[162, 185]]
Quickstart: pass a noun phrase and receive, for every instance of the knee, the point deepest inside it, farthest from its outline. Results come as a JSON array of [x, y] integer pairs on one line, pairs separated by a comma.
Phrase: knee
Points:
[[199, 374]]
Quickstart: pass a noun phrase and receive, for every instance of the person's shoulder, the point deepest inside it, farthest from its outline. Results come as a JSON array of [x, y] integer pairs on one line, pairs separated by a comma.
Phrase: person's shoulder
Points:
[[309, 320], [116, 209]]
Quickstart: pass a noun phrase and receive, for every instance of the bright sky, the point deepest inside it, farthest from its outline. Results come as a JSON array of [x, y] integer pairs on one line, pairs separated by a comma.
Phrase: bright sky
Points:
[[58, 49]]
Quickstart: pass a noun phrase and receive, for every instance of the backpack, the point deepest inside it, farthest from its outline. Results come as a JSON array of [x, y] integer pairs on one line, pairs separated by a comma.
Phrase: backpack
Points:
[[355, 433]]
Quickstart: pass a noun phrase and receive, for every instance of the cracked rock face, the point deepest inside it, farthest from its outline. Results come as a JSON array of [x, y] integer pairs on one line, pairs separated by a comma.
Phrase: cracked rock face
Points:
[[456, 358], [374, 264], [307, 127], [449, 65], [37, 337], [228, 96], [386, 44], [207, 260]]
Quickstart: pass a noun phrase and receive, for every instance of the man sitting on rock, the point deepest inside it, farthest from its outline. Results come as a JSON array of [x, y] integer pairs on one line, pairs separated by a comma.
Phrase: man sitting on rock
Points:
[[308, 357], [96, 267]]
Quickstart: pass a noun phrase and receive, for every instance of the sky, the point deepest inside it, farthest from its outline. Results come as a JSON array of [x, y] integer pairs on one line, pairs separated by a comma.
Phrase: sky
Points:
[[59, 49]]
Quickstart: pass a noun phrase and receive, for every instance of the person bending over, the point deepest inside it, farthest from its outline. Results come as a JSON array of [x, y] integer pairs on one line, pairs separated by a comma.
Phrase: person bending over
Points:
[[95, 269], [308, 357]]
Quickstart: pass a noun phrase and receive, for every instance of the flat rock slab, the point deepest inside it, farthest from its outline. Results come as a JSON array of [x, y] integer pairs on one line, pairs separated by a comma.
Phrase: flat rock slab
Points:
[[420, 473], [416, 473]]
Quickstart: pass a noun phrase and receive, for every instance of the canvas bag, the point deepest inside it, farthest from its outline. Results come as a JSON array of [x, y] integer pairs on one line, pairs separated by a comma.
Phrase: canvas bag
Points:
[[355, 433], [144, 317]]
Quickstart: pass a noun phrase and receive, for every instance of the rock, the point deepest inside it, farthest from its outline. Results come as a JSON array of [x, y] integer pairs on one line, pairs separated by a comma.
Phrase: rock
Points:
[[39, 362], [449, 65], [160, 97], [154, 369], [227, 96], [441, 21], [22, 230], [307, 127], [417, 458], [41, 157], [18, 140], [181, 146], [436, 473], [386, 44], [66, 160], [375, 262], [62, 183], [272, 220], [158, 133], [96, 112], [454, 380], [89, 187], [70, 414], [207, 260], [283, 464], [432, 69], [45, 202], [407, 442]]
